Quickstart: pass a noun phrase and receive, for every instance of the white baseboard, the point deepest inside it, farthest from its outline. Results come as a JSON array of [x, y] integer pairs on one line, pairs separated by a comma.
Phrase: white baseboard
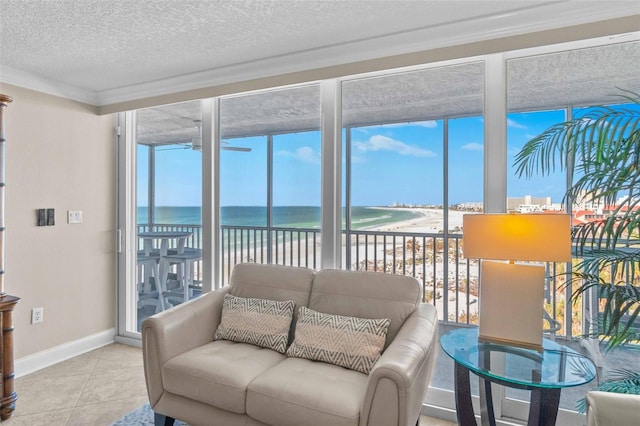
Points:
[[130, 341], [48, 357], [439, 413]]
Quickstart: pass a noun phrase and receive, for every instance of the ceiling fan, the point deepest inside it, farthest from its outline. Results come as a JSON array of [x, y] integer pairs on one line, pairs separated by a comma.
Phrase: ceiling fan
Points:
[[196, 141]]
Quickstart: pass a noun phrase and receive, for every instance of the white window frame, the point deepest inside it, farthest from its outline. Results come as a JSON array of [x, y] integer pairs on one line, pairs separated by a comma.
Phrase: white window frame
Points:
[[439, 402]]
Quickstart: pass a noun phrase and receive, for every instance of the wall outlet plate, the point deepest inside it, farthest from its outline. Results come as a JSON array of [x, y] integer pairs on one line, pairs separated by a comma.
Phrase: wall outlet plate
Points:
[[74, 216], [37, 315]]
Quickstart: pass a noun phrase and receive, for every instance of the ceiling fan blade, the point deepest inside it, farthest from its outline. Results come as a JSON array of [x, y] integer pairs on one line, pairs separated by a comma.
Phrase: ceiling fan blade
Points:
[[173, 148], [235, 148]]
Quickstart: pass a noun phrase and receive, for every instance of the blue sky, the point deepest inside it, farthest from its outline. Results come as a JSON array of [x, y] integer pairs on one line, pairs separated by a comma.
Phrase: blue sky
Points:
[[393, 163]]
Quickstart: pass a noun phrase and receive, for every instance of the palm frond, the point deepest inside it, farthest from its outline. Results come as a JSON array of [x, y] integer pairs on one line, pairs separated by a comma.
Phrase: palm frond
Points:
[[623, 380], [621, 307], [603, 149], [603, 135]]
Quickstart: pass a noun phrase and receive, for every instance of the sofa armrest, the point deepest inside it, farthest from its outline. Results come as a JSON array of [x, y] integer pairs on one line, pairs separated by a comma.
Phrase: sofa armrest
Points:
[[609, 408], [399, 380], [176, 331]]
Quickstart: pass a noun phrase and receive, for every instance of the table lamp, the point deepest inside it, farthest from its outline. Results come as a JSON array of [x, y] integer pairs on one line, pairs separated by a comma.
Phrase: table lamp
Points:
[[512, 294]]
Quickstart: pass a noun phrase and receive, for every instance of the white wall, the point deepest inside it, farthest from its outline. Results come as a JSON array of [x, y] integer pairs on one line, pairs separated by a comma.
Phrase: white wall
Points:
[[59, 154]]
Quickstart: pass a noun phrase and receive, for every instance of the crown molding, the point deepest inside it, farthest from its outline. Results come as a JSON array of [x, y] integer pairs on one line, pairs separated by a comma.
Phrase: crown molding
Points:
[[35, 82]]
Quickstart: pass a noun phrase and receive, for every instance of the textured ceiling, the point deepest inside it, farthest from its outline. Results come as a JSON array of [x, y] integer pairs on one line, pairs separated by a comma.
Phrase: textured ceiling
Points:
[[581, 77], [101, 50], [577, 77]]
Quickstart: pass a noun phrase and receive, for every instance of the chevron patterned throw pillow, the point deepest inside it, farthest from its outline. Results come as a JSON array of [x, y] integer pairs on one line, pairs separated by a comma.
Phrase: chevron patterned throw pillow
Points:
[[354, 343], [261, 322]]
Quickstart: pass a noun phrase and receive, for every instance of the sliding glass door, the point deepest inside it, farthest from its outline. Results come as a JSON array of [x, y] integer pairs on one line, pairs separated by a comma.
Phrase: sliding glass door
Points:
[[165, 233]]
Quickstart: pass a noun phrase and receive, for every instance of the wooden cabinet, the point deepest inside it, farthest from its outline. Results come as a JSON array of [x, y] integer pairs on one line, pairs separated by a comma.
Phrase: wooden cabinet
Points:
[[8, 395]]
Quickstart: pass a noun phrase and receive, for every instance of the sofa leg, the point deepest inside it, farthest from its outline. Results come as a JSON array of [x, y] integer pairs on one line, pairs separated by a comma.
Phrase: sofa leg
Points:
[[162, 420]]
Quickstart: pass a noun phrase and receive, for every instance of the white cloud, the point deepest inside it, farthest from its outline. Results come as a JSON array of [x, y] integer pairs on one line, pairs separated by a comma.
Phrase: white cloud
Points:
[[305, 154], [356, 159], [514, 124], [430, 124], [384, 143], [473, 146]]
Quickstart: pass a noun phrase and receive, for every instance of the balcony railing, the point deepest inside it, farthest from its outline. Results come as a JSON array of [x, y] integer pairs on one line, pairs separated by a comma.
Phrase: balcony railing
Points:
[[449, 280]]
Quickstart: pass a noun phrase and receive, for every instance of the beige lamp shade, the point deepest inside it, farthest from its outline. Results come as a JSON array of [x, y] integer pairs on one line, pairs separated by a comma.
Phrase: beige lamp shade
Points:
[[525, 237]]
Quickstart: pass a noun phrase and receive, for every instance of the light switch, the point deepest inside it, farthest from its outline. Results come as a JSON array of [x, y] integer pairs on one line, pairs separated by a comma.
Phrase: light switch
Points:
[[42, 217], [51, 217]]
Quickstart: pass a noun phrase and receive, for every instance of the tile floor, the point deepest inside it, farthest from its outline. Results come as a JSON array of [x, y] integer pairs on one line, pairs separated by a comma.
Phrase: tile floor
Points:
[[92, 389], [95, 388]]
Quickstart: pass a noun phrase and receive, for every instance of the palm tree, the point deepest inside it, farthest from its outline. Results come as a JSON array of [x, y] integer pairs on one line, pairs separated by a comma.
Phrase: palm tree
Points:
[[601, 151]]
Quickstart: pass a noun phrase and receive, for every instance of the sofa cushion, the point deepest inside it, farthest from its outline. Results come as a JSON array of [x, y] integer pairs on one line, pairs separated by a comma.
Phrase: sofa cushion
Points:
[[218, 373], [303, 392], [366, 295], [261, 322], [350, 342], [273, 282]]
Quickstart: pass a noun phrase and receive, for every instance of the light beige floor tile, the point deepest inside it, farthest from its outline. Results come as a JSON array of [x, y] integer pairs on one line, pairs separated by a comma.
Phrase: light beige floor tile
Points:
[[117, 356], [113, 385], [104, 413], [38, 396], [96, 388], [49, 418]]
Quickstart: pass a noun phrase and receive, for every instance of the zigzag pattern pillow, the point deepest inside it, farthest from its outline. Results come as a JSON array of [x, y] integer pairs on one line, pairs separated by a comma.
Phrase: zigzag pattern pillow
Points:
[[261, 322], [354, 343]]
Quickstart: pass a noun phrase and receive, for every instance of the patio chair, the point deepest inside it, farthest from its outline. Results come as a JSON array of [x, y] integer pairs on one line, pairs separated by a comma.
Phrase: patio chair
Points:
[[148, 278], [185, 276]]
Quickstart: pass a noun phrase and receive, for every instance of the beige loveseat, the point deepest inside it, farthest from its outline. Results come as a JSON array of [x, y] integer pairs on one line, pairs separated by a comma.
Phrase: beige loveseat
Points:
[[612, 409], [202, 381]]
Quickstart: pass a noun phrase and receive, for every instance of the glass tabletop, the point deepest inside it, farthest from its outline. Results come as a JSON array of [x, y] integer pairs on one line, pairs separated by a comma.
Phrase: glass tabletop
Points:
[[557, 366]]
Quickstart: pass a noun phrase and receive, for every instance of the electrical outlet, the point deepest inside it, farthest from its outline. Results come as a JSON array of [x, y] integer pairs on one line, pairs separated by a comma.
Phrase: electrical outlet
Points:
[[74, 216], [37, 315]]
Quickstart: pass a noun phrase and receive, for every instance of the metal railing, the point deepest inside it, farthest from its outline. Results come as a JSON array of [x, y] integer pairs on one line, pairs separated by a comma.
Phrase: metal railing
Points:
[[281, 246], [449, 280], [194, 241], [444, 275]]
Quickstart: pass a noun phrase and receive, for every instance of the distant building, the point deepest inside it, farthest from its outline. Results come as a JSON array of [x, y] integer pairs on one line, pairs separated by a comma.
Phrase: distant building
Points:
[[470, 206], [583, 202], [586, 216], [529, 204]]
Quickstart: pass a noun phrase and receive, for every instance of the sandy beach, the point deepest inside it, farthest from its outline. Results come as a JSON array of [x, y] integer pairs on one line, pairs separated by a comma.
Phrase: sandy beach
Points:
[[430, 220]]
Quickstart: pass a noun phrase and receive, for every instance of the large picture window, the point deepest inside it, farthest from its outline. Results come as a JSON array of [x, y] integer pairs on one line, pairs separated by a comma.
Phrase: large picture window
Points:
[[416, 149], [270, 178]]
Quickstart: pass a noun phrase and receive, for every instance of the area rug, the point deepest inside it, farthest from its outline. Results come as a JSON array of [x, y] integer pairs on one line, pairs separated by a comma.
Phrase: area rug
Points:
[[141, 416]]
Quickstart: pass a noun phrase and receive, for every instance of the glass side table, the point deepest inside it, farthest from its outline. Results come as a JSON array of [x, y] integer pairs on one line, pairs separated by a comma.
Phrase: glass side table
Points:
[[543, 373]]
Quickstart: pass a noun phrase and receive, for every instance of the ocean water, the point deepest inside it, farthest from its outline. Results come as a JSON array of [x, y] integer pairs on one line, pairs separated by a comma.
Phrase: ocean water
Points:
[[283, 216]]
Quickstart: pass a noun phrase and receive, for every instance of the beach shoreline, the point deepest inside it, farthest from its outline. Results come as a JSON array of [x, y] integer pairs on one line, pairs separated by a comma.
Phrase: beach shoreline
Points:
[[430, 221]]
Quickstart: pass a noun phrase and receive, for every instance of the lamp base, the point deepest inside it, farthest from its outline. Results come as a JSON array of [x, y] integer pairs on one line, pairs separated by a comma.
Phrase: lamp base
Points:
[[508, 342], [511, 304]]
